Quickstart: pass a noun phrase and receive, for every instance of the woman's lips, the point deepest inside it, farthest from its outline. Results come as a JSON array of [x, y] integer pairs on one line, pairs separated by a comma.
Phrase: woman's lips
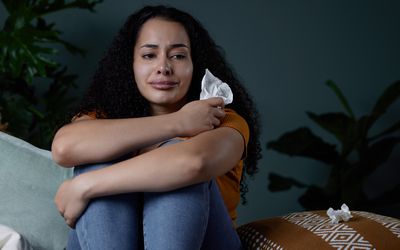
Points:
[[163, 85]]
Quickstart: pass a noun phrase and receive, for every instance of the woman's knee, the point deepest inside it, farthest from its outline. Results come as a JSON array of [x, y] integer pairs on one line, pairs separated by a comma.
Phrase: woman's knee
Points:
[[176, 219], [111, 219]]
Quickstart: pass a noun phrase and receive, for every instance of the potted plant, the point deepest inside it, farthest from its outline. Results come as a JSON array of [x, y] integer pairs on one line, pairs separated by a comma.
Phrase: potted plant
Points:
[[355, 156], [27, 44]]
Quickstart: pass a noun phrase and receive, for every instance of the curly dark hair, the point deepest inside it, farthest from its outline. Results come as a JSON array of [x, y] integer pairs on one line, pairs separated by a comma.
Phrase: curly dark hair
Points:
[[113, 90]]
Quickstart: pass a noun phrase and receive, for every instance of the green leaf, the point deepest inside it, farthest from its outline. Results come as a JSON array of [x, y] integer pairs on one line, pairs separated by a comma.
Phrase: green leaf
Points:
[[72, 48], [345, 129], [13, 111], [394, 128], [280, 183], [339, 124], [46, 8], [26, 49], [389, 96], [35, 112], [341, 97], [379, 152], [315, 198], [302, 142]]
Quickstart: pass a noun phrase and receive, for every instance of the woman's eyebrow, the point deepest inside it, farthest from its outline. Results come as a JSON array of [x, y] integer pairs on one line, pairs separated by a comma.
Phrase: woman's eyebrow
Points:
[[154, 46], [148, 45], [178, 45]]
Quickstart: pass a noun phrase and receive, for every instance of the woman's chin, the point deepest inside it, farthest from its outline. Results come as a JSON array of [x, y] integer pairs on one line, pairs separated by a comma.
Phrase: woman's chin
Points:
[[165, 98], [166, 105]]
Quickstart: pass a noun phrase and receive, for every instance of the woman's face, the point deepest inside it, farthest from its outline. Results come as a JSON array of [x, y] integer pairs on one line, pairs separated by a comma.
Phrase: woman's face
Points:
[[162, 64]]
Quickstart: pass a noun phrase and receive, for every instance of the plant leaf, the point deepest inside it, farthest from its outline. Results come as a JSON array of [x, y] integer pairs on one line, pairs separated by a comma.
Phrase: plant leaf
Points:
[[341, 97], [72, 48], [26, 52], [339, 124], [46, 8], [315, 198], [378, 153], [280, 183], [394, 128], [302, 142], [389, 96], [349, 132]]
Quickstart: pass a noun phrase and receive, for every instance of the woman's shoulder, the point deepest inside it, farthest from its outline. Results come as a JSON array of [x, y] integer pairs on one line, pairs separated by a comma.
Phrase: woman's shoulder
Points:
[[90, 115], [233, 120]]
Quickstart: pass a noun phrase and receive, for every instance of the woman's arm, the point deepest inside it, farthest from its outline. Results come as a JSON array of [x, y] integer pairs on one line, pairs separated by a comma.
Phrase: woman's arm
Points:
[[89, 140], [198, 159]]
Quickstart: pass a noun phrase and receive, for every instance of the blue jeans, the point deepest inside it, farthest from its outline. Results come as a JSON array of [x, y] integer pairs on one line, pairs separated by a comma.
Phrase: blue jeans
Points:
[[193, 217]]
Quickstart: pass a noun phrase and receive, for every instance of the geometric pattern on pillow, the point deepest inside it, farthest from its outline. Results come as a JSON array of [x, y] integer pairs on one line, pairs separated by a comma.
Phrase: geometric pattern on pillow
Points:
[[253, 239], [392, 224], [314, 230], [340, 236]]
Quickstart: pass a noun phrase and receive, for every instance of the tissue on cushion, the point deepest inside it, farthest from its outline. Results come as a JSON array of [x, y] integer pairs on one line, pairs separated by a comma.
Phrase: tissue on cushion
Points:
[[29, 180], [11, 240], [314, 230]]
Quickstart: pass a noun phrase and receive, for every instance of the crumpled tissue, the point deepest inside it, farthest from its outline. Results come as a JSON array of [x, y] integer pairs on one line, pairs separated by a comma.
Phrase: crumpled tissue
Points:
[[11, 240], [338, 215], [211, 86]]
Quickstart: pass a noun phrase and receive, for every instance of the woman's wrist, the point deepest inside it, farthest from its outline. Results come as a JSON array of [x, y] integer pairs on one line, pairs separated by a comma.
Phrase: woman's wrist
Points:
[[175, 124], [86, 184]]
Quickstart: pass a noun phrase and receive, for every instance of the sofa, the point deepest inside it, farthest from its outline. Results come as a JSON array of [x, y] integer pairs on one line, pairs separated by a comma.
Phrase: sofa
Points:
[[28, 182], [29, 219]]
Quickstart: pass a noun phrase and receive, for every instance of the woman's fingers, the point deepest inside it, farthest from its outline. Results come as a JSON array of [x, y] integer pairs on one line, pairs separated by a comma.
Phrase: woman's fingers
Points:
[[215, 122], [218, 112], [215, 102], [70, 222]]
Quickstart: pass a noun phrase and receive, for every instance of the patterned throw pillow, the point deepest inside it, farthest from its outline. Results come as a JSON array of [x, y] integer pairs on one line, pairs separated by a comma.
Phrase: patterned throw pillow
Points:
[[314, 230]]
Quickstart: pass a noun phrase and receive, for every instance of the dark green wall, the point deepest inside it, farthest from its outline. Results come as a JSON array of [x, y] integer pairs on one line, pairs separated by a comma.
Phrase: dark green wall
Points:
[[283, 51]]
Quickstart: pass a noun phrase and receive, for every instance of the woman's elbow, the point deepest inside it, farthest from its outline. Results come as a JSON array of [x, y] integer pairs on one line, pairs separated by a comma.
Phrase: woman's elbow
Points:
[[60, 152], [199, 170]]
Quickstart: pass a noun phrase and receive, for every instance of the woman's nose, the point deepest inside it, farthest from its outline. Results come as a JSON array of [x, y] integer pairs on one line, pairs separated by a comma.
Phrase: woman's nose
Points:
[[164, 67]]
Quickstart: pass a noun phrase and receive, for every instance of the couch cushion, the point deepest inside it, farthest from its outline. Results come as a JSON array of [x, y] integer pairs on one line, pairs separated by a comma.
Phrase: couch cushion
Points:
[[28, 182], [314, 230]]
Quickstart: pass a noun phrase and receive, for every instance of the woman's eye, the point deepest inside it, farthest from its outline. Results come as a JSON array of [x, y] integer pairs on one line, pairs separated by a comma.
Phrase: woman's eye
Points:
[[148, 56], [178, 56]]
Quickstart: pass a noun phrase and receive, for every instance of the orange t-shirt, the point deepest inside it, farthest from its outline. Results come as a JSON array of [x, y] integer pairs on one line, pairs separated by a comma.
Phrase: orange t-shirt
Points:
[[229, 183]]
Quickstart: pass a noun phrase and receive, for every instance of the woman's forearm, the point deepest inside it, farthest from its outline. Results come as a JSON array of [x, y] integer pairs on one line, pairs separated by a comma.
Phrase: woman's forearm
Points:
[[90, 141], [155, 171], [201, 158]]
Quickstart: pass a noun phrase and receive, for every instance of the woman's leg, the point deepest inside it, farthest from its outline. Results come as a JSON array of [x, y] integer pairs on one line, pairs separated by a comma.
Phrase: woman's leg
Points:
[[192, 217], [175, 220], [112, 222], [73, 242], [220, 233]]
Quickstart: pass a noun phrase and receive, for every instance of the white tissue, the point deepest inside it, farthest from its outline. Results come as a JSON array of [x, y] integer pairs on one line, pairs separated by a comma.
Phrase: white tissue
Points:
[[340, 214], [211, 86]]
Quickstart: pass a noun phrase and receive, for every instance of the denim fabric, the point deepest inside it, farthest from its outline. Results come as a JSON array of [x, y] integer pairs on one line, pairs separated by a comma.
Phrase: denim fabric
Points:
[[192, 217]]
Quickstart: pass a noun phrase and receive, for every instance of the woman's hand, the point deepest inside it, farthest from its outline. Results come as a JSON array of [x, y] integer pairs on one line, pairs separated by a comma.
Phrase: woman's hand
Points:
[[200, 116], [70, 201]]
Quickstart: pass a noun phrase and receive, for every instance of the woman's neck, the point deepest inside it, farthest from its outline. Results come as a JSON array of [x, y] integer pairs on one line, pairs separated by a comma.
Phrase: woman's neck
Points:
[[165, 109]]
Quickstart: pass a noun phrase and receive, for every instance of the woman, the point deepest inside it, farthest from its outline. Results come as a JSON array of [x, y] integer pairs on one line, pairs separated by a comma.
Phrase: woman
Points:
[[151, 159]]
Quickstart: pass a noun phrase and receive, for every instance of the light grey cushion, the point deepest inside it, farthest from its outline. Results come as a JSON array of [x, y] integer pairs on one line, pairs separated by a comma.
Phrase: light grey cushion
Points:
[[29, 180]]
